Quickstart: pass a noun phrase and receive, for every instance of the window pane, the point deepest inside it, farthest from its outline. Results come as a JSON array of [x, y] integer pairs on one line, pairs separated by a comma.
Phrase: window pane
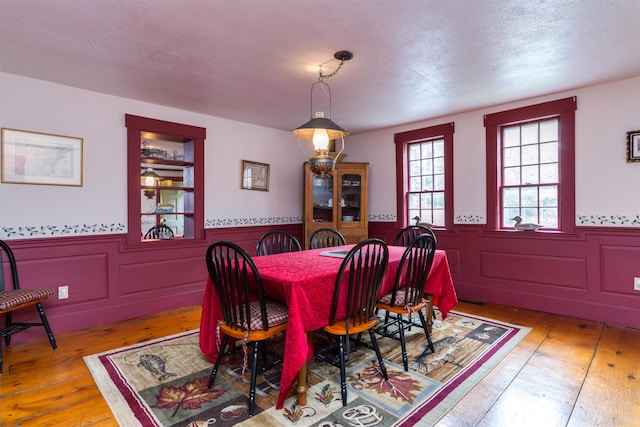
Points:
[[511, 136], [529, 197], [549, 217], [529, 215], [511, 156], [427, 167], [530, 154], [414, 184], [414, 201], [549, 173], [549, 196], [438, 183], [511, 197], [427, 183], [426, 215], [549, 152], [549, 130], [414, 168], [427, 150], [438, 148], [425, 201], [530, 174], [438, 218], [438, 165], [438, 200], [530, 134], [512, 176], [414, 152]]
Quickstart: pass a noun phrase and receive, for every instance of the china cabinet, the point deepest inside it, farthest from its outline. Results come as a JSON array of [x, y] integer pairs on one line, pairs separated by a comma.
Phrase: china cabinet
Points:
[[339, 201]]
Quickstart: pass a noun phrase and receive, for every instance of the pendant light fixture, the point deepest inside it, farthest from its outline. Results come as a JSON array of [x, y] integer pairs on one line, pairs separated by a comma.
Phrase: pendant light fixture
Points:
[[150, 179], [321, 129]]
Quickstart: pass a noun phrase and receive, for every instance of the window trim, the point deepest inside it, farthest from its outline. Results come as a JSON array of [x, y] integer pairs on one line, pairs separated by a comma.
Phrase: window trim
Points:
[[564, 110], [135, 125], [402, 141]]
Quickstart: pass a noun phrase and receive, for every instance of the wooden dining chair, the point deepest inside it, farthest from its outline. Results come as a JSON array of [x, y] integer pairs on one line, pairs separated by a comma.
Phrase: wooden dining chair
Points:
[[247, 315], [407, 234], [13, 298], [407, 295], [326, 238], [276, 242], [359, 277], [160, 231]]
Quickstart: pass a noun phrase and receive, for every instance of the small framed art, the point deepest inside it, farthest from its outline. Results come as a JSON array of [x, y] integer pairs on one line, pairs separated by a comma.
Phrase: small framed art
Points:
[[41, 158], [255, 176], [633, 146]]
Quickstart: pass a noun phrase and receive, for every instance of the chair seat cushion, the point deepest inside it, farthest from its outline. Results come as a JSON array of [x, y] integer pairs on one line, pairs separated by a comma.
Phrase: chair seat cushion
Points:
[[401, 297], [13, 298], [277, 314]]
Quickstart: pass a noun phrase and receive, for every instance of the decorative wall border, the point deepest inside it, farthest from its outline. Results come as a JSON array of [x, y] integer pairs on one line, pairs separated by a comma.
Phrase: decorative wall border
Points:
[[618, 220], [383, 217], [470, 219], [89, 229], [243, 222], [61, 230]]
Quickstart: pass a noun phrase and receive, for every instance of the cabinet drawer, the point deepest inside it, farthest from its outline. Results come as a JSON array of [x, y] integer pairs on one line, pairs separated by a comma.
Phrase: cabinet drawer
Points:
[[352, 240], [352, 232]]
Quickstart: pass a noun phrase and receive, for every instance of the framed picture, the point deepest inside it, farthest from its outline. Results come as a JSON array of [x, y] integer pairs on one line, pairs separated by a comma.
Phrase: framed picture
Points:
[[255, 176], [633, 146], [41, 158]]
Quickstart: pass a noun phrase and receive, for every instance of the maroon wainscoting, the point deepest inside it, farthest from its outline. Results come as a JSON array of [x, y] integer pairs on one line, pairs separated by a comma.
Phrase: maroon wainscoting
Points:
[[110, 281], [586, 275]]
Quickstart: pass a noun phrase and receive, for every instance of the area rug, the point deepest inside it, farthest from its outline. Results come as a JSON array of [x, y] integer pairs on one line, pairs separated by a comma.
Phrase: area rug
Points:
[[164, 382]]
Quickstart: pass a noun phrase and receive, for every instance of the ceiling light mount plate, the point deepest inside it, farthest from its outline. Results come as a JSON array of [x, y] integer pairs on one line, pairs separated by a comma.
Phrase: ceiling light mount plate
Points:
[[343, 55]]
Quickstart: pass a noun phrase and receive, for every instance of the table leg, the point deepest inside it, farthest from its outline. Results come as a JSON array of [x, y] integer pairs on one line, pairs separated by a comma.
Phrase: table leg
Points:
[[301, 389], [429, 312]]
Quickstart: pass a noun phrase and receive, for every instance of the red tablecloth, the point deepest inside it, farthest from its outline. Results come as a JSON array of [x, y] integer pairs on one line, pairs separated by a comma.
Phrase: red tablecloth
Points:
[[305, 281]]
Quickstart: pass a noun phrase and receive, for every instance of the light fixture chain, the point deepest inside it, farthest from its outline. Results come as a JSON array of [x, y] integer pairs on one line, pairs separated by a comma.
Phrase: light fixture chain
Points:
[[321, 76]]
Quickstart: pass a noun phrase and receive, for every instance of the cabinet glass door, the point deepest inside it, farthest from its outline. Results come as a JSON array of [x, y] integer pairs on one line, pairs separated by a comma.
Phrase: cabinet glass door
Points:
[[323, 198], [351, 197]]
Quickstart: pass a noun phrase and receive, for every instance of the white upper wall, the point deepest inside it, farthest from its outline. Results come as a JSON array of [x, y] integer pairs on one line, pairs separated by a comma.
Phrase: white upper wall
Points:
[[100, 205], [606, 184]]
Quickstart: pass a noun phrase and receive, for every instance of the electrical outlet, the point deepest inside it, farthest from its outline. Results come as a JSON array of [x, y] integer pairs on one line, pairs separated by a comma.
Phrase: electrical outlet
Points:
[[636, 283], [63, 292]]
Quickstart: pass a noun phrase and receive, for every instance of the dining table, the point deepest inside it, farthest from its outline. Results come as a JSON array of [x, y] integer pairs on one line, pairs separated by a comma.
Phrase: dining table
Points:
[[305, 280]]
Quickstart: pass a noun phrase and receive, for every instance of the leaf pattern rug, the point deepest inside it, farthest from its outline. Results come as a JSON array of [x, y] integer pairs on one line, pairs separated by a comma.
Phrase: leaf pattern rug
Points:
[[163, 382]]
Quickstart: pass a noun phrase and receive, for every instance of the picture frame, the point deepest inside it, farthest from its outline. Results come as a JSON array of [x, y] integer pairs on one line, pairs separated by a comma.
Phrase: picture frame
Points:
[[41, 158], [633, 146], [255, 176]]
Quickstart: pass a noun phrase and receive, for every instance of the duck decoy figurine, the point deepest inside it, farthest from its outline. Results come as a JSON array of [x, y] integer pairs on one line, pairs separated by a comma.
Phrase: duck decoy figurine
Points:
[[524, 226], [417, 220]]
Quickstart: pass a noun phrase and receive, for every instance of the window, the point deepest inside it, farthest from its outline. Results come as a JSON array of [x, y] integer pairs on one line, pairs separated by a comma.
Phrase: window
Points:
[[424, 161], [530, 164], [530, 173], [165, 163]]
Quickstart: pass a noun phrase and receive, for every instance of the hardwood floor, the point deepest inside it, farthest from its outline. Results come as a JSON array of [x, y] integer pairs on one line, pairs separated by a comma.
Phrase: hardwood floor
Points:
[[566, 372]]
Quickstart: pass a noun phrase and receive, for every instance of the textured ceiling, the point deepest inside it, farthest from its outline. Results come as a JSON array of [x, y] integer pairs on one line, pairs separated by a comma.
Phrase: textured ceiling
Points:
[[255, 60]]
